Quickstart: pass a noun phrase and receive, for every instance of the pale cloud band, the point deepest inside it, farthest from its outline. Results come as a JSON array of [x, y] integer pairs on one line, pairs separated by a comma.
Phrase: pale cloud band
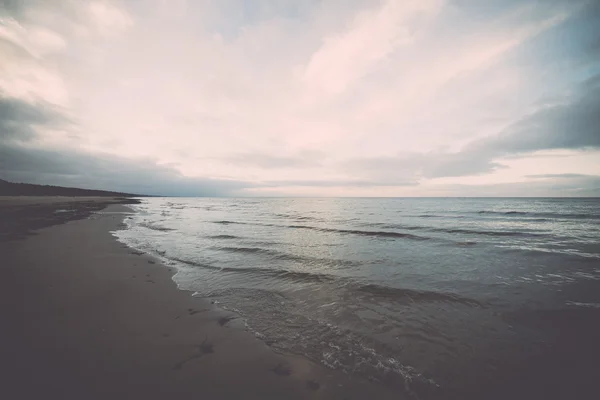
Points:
[[341, 98]]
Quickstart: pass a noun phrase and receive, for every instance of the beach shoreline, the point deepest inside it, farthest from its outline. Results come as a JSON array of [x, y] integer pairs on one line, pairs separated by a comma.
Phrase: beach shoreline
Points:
[[87, 317]]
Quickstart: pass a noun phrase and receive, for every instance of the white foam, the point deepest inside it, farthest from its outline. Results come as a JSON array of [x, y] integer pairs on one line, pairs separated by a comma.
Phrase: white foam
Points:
[[585, 305]]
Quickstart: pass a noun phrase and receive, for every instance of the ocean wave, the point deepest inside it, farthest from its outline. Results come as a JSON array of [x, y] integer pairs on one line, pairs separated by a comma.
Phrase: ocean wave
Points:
[[249, 250], [393, 234], [502, 212], [297, 217], [538, 249], [456, 230], [379, 234], [329, 344], [284, 256], [296, 276], [415, 296], [194, 263], [450, 230], [466, 243], [544, 215], [386, 234], [281, 215], [584, 305], [382, 225], [155, 227], [226, 222], [485, 232], [223, 237], [397, 295], [455, 216], [306, 218]]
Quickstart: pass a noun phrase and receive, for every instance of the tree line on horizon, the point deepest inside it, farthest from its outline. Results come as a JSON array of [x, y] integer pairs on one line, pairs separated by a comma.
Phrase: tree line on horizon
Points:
[[29, 189]]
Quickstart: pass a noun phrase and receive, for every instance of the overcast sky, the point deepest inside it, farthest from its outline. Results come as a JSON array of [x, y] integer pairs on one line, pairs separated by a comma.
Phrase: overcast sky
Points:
[[303, 97]]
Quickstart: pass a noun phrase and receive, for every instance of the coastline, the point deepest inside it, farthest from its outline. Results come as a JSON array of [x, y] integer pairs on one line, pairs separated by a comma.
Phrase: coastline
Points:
[[87, 317]]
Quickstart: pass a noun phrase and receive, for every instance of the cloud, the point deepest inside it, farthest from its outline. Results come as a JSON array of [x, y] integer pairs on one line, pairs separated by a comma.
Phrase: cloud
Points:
[[572, 123], [107, 18], [335, 183], [23, 73], [19, 118], [371, 37], [563, 176], [558, 186], [302, 159], [411, 167], [23, 159], [62, 167], [370, 97]]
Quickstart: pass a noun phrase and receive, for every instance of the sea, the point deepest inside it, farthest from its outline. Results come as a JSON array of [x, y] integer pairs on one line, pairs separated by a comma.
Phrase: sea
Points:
[[437, 298]]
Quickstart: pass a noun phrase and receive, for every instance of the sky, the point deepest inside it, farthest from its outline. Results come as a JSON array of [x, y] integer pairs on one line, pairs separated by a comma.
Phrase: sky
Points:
[[302, 98]]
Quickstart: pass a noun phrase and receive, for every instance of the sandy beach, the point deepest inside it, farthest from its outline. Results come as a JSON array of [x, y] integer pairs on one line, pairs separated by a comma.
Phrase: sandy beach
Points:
[[85, 317]]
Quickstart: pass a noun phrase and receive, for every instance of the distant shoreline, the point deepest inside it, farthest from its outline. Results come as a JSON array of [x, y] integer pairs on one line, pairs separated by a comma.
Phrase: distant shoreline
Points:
[[20, 216], [28, 189]]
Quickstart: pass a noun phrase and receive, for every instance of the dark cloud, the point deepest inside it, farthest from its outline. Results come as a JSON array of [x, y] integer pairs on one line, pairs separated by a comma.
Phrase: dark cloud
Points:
[[13, 7], [18, 118], [573, 124], [21, 9], [562, 176], [582, 186], [594, 49], [21, 163], [570, 122], [491, 9]]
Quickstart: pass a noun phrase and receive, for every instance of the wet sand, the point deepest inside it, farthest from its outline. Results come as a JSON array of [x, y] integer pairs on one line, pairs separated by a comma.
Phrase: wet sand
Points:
[[85, 317]]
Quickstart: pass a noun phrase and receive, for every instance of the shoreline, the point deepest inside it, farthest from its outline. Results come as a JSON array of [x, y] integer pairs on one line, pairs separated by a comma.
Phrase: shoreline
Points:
[[21, 216], [88, 317]]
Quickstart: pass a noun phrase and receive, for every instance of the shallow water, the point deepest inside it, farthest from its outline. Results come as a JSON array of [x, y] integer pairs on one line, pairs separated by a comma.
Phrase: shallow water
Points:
[[439, 298]]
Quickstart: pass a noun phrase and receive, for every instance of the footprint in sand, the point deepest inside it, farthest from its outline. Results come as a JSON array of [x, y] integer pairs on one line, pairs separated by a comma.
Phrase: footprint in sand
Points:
[[204, 348], [312, 385], [281, 370], [224, 320]]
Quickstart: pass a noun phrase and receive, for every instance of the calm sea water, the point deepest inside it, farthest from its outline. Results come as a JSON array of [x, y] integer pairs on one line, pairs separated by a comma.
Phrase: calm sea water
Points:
[[439, 298]]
